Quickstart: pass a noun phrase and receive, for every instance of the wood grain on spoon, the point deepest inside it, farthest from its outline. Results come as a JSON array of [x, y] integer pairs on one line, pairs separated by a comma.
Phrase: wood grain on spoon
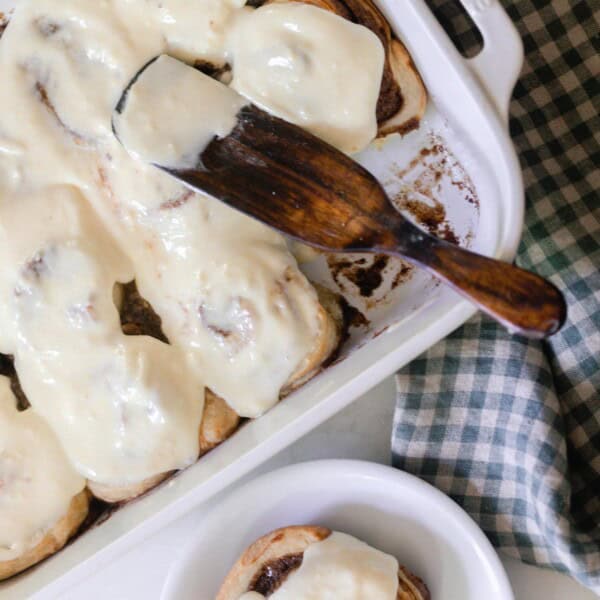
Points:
[[293, 181]]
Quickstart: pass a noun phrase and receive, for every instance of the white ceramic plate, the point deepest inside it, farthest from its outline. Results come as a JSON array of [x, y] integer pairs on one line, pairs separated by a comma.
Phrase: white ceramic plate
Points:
[[387, 508]]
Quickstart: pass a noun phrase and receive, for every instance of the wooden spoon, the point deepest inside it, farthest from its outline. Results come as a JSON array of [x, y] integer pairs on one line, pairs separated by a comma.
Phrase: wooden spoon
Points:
[[291, 180]]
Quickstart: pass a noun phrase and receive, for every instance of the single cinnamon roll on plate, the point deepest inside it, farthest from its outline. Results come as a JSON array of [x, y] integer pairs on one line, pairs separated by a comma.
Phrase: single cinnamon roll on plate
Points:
[[312, 562]]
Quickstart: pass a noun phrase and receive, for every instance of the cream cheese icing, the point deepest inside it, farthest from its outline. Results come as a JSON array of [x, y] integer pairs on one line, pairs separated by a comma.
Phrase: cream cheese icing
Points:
[[124, 407], [171, 113], [339, 567], [37, 482], [79, 214], [311, 67]]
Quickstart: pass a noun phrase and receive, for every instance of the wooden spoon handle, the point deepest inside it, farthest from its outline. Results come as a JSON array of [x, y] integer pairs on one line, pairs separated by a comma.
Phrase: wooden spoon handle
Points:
[[523, 302]]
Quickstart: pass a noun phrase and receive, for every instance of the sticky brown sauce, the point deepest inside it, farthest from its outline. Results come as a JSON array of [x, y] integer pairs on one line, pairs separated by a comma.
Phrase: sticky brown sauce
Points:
[[372, 277], [274, 573], [366, 277], [420, 197], [352, 317]]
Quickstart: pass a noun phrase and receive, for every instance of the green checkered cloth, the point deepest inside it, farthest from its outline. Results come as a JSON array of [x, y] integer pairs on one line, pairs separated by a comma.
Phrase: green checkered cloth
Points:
[[510, 428]]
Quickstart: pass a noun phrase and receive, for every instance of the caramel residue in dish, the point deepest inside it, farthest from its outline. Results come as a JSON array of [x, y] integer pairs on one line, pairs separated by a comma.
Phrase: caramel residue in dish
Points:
[[432, 217], [374, 276], [420, 195], [352, 318], [366, 277], [403, 274]]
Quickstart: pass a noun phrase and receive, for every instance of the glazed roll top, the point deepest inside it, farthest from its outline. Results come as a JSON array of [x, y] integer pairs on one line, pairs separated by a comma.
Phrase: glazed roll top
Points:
[[124, 408], [37, 482], [310, 562], [340, 566], [311, 67]]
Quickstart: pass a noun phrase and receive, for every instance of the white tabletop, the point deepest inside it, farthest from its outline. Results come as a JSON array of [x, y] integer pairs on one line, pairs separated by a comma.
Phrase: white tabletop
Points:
[[361, 431]]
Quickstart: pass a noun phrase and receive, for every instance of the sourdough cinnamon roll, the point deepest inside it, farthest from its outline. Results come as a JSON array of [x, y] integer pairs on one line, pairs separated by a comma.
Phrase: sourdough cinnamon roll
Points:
[[43, 500], [401, 97], [309, 562]]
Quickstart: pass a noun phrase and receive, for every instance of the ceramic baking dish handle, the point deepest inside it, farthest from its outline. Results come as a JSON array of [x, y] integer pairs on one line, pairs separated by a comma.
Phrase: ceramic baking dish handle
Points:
[[499, 63]]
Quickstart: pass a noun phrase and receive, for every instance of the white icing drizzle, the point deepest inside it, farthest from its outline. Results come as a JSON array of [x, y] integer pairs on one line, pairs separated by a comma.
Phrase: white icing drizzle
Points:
[[77, 214], [310, 67], [341, 567], [37, 483], [172, 112], [125, 407]]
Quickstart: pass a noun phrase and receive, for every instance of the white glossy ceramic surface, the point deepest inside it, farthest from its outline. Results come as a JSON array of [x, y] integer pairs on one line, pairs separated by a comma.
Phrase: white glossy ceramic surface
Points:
[[468, 108], [389, 509]]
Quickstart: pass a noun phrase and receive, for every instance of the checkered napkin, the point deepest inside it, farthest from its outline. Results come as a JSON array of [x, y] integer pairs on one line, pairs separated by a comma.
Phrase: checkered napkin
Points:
[[507, 427]]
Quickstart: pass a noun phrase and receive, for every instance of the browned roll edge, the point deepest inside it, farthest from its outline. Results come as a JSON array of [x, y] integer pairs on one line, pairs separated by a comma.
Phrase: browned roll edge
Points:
[[53, 540]]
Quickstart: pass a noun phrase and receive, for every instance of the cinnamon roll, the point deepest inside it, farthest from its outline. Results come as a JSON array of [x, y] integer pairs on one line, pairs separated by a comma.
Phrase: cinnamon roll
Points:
[[43, 500], [402, 97], [314, 562]]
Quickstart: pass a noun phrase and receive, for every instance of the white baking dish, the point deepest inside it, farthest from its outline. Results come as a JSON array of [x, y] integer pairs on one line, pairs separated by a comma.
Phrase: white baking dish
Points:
[[468, 107]]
